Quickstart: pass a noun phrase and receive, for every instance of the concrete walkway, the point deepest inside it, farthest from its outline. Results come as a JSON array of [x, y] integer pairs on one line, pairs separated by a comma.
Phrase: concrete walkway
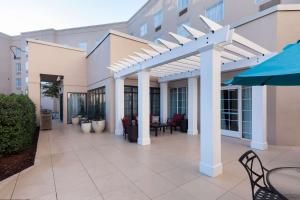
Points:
[[71, 165]]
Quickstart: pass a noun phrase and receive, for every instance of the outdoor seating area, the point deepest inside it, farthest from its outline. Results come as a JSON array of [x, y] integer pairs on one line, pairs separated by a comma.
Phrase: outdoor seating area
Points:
[[72, 165], [130, 129]]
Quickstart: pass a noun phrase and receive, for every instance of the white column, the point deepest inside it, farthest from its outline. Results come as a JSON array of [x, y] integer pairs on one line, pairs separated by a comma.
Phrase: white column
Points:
[[210, 88], [192, 106], [259, 118], [144, 107], [163, 102], [119, 101]]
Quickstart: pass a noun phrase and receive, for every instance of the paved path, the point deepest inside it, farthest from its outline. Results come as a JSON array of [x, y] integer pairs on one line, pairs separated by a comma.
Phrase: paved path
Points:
[[71, 165]]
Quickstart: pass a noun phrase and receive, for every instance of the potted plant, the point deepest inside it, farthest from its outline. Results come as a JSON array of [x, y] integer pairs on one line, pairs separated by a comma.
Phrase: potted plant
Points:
[[86, 126], [81, 112], [75, 120], [98, 122]]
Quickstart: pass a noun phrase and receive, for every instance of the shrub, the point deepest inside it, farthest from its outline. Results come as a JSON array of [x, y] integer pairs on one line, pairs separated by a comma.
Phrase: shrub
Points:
[[17, 123]]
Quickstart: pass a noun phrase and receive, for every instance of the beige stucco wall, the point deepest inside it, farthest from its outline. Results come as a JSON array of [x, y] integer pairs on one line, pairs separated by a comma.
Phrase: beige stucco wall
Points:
[[5, 63], [274, 31], [54, 60], [195, 8]]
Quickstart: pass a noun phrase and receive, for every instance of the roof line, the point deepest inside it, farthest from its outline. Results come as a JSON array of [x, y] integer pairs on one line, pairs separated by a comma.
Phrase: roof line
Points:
[[118, 33], [280, 7], [139, 10], [54, 45]]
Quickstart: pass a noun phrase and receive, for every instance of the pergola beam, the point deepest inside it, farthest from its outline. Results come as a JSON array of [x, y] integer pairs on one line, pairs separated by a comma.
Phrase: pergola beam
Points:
[[232, 66], [217, 38]]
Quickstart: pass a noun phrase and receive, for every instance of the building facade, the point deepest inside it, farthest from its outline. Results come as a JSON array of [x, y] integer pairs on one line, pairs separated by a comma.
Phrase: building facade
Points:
[[268, 23]]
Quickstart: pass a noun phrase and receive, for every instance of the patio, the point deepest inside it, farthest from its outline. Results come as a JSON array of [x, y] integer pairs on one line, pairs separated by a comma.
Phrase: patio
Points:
[[72, 165]]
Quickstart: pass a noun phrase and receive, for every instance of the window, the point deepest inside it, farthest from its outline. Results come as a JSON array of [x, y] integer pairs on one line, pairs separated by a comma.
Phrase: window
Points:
[[18, 68], [26, 80], [83, 46], [26, 66], [178, 101], [230, 109], [143, 30], [247, 112], [258, 1], [155, 101], [158, 19], [18, 53], [182, 4], [130, 101], [18, 83], [96, 103], [216, 12], [182, 31]]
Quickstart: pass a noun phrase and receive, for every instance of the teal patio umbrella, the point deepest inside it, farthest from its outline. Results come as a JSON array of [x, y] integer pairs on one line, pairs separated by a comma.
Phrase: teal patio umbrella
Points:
[[282, 69]]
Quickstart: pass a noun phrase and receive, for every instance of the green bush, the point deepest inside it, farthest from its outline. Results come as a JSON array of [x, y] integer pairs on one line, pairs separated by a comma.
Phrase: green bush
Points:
[[17, 123]]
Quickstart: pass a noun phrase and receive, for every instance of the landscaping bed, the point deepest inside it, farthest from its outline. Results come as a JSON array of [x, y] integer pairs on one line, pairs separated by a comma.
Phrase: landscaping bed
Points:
[[18, 134], [13, 164]]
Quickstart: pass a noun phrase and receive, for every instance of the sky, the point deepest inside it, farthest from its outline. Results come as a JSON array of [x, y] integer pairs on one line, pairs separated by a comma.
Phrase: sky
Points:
[[18, 16]]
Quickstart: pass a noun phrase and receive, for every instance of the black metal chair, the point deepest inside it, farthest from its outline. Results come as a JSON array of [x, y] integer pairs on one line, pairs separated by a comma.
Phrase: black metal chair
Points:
[[256, 173]]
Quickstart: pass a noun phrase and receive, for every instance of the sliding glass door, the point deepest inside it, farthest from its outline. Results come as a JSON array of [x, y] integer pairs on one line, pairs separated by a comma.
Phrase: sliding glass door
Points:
[[76, 105]]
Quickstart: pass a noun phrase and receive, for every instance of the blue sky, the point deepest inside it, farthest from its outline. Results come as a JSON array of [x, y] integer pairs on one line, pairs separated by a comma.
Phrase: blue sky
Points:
[[27, 15]]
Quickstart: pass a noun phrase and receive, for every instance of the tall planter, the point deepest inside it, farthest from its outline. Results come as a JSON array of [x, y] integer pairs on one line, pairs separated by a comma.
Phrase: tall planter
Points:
[[98, 126]]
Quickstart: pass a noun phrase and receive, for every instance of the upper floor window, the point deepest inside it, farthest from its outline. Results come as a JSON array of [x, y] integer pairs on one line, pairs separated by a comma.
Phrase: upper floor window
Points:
[[18, 53], [182, 31], [143, 30], [158, 18], [83, 46], [182, 4], [26, 66], [18, 68], [216, 12], [18, 83]]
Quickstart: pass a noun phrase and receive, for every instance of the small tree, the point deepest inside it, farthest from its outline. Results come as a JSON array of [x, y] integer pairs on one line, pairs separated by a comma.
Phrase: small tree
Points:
[[51, 89], [97, 115], [81, 112]]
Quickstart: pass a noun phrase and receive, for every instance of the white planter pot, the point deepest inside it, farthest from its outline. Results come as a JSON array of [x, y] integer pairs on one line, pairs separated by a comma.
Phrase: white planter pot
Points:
[[98, 126], [75, 120], [86, 127]]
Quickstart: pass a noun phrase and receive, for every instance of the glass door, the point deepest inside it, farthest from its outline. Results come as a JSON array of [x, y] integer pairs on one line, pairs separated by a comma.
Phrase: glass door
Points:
[[231, 111]]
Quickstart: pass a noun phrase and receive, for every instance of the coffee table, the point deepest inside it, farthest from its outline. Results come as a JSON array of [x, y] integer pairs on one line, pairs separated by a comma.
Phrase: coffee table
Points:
[[157, 126]]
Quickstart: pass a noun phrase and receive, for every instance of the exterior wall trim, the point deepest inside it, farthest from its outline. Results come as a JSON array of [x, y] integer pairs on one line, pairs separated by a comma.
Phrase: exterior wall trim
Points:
[[281, 7], [53, 45]]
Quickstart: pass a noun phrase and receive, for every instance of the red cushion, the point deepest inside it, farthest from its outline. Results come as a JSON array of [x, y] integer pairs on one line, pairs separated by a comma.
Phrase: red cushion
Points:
[[125, 121]]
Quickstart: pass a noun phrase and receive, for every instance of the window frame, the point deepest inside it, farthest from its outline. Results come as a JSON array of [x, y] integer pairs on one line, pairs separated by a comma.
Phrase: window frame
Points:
[[214, 6], [158, 18], [143, 30]]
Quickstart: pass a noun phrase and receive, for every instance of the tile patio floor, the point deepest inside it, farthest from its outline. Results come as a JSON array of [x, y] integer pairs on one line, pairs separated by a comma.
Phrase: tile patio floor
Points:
[[71, 165]]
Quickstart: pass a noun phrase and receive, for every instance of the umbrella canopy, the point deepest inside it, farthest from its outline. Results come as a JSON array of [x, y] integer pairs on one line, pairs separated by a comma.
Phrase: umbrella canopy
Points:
[[280, 70]]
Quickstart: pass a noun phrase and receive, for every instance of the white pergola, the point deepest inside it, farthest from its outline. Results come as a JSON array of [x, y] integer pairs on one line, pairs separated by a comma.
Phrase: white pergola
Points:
[[205, 56]]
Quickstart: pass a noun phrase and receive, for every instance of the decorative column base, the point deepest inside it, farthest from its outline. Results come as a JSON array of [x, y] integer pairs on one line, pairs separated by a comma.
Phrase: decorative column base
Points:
[[192, 132], [211, 171], [144, 141], [118, 132]]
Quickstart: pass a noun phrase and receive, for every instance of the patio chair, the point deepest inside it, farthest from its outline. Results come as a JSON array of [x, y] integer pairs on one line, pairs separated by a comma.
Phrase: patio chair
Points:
[[125, 123], [256, 172], [175, 121]]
